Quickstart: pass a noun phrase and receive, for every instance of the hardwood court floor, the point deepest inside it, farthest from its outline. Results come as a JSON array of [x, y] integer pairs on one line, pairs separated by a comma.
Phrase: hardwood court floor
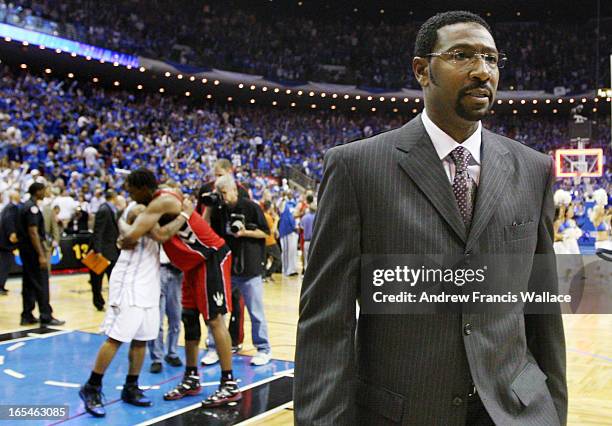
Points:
[[589, 340]]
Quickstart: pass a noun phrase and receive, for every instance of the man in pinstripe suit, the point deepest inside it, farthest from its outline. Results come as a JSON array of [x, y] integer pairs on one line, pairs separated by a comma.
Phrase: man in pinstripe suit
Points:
[[441, 184]]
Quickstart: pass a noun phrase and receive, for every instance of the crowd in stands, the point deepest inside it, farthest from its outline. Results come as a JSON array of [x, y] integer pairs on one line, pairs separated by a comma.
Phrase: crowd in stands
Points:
[[333, 48], [85, 139], [79, 132]]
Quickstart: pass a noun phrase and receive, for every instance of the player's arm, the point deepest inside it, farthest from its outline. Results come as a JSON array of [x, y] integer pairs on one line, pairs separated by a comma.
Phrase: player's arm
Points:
[[145, 221], [162, 234], [124, 228]]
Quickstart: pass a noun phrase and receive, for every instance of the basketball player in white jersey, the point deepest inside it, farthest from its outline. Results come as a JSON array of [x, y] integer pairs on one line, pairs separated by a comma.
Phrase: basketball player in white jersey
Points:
[[133, 314]]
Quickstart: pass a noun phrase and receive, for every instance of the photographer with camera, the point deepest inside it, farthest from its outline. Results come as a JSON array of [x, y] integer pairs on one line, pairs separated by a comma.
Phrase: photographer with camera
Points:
[[207, 198], [244, 228]]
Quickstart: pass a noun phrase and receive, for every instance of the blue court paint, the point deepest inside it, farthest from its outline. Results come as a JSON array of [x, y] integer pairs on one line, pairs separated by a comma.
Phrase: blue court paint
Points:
[[69, 358]]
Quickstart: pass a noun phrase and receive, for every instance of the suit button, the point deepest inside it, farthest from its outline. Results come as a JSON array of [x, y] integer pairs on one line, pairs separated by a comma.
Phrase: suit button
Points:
[[457, 400], [466, 257], [467, 329]]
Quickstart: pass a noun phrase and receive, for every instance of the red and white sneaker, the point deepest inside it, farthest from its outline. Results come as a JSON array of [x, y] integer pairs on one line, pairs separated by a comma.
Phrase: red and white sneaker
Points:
[[228, 392], [188, 387]]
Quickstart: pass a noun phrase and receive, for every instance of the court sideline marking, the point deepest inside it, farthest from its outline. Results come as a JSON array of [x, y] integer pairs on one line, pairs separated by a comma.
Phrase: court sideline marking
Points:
[[266, 414], [38, 336], [602, 357], [199, 404]]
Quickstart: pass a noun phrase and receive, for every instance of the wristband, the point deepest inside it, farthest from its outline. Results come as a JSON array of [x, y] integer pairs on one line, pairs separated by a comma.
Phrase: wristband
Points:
[[185, 215]]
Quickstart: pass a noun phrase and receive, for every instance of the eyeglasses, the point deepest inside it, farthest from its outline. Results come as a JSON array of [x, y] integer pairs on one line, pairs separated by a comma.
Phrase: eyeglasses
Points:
[[467, 57]]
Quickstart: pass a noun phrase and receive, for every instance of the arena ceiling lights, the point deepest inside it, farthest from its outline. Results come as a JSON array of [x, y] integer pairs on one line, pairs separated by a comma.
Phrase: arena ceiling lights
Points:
[[43, 41]]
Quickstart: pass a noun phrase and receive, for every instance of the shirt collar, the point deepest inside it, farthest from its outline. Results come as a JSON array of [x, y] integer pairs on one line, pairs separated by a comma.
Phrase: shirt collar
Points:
[[444, 144]]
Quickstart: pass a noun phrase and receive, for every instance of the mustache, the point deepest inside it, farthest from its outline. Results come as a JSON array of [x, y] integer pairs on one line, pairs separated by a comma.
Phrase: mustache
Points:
[[464, 91]]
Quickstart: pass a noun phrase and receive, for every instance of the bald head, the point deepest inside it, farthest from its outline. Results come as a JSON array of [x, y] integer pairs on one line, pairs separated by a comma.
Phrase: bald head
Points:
[[171, 184], [225, 182], [14, 197], [222, 167], [120, 202]]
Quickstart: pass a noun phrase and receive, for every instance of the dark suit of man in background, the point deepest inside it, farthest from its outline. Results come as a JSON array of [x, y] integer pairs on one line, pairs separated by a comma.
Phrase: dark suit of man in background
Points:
[[8, 238], [104, 241], [407, 191]]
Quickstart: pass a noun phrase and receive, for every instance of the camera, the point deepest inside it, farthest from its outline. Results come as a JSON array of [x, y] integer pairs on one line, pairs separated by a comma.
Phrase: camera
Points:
[[211, 199], [237, 222]]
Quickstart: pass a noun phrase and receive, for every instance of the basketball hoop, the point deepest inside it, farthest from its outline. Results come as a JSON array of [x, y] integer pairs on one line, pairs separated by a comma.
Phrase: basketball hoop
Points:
[[579, 163]]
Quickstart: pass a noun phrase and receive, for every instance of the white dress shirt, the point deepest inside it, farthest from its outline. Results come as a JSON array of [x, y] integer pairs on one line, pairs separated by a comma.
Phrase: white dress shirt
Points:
[[444, 145]]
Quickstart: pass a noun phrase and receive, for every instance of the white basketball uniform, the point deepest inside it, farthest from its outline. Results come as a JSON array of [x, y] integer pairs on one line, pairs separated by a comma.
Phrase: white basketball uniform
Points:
[[134, 293]]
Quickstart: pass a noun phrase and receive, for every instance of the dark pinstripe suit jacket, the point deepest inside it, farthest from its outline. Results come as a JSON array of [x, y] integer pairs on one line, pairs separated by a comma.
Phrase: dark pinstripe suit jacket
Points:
[[390, 195]]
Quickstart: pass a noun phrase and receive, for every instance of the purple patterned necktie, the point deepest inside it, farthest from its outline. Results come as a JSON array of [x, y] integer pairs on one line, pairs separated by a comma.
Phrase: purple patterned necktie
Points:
[[463, 185]]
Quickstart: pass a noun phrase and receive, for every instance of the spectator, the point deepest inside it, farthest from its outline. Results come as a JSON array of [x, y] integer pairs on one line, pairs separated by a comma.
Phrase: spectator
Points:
[[307, 224], [104, 242], [288, 237], [68, 207], [170, 306], [79, 224], [284, 46], [273, 253], [8, 238], [245, 230], [53, 229]]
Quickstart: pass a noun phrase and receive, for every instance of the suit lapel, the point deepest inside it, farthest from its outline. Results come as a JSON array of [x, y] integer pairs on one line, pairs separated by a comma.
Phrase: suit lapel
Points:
[[112, 214], [422, 164], [495, 171]]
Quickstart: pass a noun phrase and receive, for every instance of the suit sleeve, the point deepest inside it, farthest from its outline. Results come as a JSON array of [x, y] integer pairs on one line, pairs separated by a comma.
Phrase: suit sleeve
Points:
[[324, 390], [101, 219], [54, 229], [545, 336], [11, 221]]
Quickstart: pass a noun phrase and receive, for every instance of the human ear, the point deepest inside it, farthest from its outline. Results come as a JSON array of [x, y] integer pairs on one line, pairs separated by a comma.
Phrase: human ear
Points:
[[420, 68]]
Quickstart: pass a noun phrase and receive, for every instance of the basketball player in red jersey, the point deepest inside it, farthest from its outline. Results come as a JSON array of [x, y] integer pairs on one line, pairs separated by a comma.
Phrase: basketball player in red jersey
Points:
[[205, 260]]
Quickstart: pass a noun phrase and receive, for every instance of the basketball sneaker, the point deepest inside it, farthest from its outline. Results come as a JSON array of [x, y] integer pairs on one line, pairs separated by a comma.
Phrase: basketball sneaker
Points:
[[132, 394], [188, 387], [227, 392], [210, 358], [261, 358], [92, 399]]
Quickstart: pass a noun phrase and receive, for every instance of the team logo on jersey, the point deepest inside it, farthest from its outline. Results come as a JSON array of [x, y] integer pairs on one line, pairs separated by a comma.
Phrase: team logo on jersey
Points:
[[218, 298], [187, 235], [34, 210]]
